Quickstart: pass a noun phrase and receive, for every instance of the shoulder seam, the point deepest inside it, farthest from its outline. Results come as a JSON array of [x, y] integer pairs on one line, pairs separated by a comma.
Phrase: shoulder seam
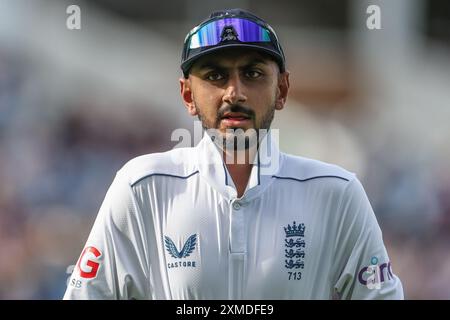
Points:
[[311, 178], [165, 175]]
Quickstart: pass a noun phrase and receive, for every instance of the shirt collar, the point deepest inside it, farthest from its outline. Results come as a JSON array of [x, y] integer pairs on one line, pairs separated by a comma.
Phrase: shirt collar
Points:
[[212, 167]]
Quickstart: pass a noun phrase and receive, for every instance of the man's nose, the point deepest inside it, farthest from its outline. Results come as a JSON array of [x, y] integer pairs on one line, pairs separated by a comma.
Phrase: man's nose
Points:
[[234, 93]]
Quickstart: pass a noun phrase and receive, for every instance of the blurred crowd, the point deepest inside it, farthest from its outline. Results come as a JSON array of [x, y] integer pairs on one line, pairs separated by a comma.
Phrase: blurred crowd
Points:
[[55, 168], [59, 154]]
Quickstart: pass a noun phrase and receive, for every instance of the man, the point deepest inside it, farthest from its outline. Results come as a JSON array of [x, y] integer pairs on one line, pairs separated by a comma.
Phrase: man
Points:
[[233, 217]]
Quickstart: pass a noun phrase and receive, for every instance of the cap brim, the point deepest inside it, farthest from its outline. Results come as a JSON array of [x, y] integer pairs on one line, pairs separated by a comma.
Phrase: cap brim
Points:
[[187, 65]]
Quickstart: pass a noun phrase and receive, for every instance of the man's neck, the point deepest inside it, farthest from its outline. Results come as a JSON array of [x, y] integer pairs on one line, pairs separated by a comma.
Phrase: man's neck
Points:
[[239, 164]]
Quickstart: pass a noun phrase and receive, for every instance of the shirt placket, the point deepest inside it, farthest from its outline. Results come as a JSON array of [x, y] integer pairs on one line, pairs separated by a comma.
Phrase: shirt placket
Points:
[[238, 250]]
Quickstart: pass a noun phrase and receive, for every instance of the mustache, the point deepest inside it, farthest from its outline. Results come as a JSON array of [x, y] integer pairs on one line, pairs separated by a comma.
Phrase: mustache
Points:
[[235, 108]]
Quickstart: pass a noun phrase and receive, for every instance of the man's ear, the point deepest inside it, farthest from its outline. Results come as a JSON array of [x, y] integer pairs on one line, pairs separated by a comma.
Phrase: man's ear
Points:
[[282, 90], [187, 96]]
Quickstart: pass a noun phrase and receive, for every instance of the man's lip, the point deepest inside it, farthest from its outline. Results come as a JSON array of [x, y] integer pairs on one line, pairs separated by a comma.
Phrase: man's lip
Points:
[[235, 115], [235, 122]]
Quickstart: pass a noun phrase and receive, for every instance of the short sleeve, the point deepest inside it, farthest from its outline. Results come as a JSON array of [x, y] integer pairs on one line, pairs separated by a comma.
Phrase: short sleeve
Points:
[[362, 269], [113, 263]]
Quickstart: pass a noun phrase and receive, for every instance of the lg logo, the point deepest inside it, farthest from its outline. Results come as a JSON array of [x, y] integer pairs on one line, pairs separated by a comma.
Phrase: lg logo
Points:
[[87, 267], [87, 264]]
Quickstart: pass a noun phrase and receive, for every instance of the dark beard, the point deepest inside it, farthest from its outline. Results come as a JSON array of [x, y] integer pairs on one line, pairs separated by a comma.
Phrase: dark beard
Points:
[[240, 140]]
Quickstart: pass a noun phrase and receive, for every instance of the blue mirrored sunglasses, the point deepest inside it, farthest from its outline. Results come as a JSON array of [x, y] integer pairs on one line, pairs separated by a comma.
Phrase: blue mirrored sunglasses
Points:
[[241, 30]]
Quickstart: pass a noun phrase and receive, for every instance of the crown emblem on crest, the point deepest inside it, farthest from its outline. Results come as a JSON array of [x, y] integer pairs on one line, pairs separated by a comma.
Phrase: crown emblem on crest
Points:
[[295, 231]]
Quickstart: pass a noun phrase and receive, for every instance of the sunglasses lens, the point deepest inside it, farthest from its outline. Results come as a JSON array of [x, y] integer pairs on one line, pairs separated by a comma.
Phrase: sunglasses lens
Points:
[[235, 29]]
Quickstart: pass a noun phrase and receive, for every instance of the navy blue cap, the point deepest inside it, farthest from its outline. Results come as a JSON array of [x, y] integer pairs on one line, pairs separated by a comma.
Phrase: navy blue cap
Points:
[[230, 37]]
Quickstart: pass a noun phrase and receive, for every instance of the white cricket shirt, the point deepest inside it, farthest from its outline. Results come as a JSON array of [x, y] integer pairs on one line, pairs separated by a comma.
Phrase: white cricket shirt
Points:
[[171, 227]]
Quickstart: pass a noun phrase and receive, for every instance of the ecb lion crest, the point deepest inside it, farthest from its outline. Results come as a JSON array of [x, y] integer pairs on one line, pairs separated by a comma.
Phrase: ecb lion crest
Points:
[[294, 244]]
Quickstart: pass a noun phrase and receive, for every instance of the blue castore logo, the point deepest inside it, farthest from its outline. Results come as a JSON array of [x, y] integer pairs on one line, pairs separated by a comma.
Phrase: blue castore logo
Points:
[[186, 251], [188, 247]]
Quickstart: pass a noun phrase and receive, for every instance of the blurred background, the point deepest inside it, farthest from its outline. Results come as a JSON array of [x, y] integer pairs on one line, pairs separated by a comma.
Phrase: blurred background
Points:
[[75, 105]]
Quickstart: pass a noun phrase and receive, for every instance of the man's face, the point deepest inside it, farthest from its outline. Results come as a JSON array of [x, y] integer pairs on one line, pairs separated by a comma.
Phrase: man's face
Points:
[[235, 89]]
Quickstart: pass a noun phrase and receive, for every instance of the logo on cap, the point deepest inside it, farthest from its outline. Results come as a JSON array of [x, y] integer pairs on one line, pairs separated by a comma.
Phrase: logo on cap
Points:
[[228, 34]]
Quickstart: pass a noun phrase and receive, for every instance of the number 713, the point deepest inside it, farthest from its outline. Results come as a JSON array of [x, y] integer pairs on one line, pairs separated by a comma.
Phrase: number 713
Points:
[[295, 275]]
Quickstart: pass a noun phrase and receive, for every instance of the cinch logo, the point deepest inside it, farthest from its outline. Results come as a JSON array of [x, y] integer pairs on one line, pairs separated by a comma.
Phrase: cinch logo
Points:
[[375, 274], [87, 265], [188, 248]]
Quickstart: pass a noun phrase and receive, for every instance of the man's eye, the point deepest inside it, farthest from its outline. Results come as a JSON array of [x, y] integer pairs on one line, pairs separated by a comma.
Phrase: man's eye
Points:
[[214, 76], [253, 74]]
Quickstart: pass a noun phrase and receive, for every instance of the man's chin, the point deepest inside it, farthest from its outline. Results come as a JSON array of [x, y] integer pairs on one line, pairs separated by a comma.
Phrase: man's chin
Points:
[[237, 138]]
